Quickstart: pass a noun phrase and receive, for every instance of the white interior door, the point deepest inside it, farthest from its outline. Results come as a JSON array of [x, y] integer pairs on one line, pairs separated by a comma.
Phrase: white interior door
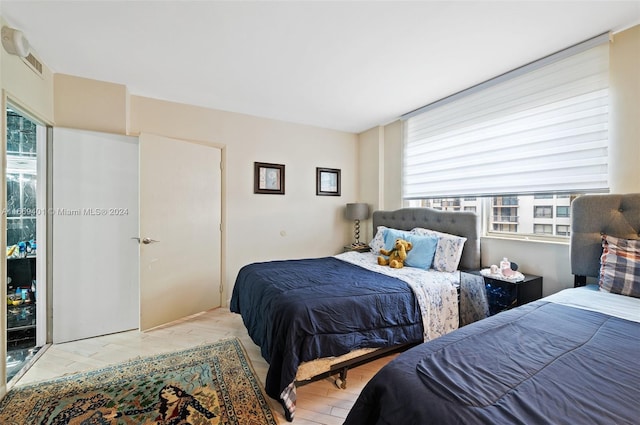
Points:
[[180, 207], [95, 266]]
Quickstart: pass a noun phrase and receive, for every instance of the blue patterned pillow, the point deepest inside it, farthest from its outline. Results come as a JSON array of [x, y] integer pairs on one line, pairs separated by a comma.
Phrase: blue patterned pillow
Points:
[[448, 251], [620, 266]]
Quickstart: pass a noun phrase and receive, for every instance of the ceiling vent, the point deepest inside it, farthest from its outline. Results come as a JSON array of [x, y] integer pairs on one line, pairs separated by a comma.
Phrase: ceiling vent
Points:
[[33, 63]]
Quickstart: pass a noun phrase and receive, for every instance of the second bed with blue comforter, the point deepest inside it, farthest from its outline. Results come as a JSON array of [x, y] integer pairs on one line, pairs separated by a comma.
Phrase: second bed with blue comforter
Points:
[[543, 363]]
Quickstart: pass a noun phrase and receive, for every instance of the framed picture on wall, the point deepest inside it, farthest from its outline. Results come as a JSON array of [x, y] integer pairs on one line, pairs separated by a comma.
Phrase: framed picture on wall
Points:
[[268, 178], [327, 181]]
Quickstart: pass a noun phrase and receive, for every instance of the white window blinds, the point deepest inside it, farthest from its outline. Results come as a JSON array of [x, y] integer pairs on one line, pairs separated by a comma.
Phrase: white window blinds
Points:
[[540, 128]]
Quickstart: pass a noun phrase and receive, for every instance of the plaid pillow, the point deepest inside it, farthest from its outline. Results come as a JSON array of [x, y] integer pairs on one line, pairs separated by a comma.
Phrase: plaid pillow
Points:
[[620, 266]]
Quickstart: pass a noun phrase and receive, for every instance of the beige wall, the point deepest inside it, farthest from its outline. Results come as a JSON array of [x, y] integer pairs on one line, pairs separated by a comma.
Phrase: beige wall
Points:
[[93, 105], [551, 260], [265, 227], [381, 170], [624, 154], [371, 192], [256, 227], [393, 141]]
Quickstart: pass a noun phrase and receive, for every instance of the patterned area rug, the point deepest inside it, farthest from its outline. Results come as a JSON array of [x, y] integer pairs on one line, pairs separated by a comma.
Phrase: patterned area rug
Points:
[[210, 384]]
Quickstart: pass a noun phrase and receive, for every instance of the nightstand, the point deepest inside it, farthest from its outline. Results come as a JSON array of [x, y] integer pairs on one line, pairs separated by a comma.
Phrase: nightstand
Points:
[[503, 294], [361, 248]]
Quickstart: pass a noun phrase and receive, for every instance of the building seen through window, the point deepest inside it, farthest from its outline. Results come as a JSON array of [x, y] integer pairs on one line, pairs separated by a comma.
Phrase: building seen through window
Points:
[[543, 214]]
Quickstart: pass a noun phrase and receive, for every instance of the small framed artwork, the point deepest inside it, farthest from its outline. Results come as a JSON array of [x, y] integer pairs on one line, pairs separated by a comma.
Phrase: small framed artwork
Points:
[[268, 178], [327, 181]]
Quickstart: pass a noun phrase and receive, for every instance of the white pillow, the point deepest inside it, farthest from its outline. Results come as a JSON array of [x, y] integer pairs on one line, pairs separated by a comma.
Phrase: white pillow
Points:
[[377, 243], [448, 251]]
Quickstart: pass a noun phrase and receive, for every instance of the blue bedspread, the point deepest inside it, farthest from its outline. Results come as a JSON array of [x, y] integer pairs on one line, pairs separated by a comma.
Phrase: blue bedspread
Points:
[[301, 310], [542, 363]]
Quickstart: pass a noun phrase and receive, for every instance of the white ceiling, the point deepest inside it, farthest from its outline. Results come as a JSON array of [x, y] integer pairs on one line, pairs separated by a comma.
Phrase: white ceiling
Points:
[[347, 65]]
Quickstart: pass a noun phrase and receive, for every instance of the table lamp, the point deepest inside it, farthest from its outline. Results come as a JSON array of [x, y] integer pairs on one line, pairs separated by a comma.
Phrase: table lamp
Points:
[[357, 212]]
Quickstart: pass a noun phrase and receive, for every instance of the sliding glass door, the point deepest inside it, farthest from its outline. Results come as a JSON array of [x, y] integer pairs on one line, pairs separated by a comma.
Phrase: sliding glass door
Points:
[[25, 221]]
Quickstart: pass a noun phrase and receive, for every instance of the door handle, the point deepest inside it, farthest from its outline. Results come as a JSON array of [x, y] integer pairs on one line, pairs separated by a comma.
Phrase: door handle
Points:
[[145, 241]]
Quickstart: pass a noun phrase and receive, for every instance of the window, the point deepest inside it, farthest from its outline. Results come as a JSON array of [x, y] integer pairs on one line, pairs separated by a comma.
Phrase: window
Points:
[[507, 228], [545, 211], [505, 200], [563, 230], [522, 144], [543, 229], [541, 128], [508, 215]]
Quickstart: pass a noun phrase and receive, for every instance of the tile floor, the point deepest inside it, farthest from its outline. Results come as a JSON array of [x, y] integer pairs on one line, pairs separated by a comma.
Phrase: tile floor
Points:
[[320, 402]]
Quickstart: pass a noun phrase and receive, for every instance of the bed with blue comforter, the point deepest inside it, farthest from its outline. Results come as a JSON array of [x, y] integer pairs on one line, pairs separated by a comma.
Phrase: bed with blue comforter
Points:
[[543, 363], [302, 310]]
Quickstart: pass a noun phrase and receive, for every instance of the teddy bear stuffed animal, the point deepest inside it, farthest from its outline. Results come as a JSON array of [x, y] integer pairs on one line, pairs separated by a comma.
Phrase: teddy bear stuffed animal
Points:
[[397, 255]]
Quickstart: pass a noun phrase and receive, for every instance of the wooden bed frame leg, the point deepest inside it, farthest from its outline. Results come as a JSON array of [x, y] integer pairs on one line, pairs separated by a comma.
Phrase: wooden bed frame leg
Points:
[[341, 381]]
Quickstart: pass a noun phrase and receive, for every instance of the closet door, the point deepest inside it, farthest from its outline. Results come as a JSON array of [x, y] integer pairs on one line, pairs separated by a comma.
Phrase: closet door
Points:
[[95, 258], [180, 208]]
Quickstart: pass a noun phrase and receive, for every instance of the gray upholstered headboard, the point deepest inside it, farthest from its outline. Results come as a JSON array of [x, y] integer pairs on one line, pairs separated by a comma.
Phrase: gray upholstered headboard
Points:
[[595, 215], [461, 223]]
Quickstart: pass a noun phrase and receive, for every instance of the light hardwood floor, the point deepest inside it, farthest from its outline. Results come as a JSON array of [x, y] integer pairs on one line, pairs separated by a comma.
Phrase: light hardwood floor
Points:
[[320, 402]]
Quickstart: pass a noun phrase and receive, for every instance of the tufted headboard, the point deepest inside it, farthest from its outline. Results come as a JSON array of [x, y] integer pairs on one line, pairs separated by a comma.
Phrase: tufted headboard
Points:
[[461, 223], [595, 215]]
